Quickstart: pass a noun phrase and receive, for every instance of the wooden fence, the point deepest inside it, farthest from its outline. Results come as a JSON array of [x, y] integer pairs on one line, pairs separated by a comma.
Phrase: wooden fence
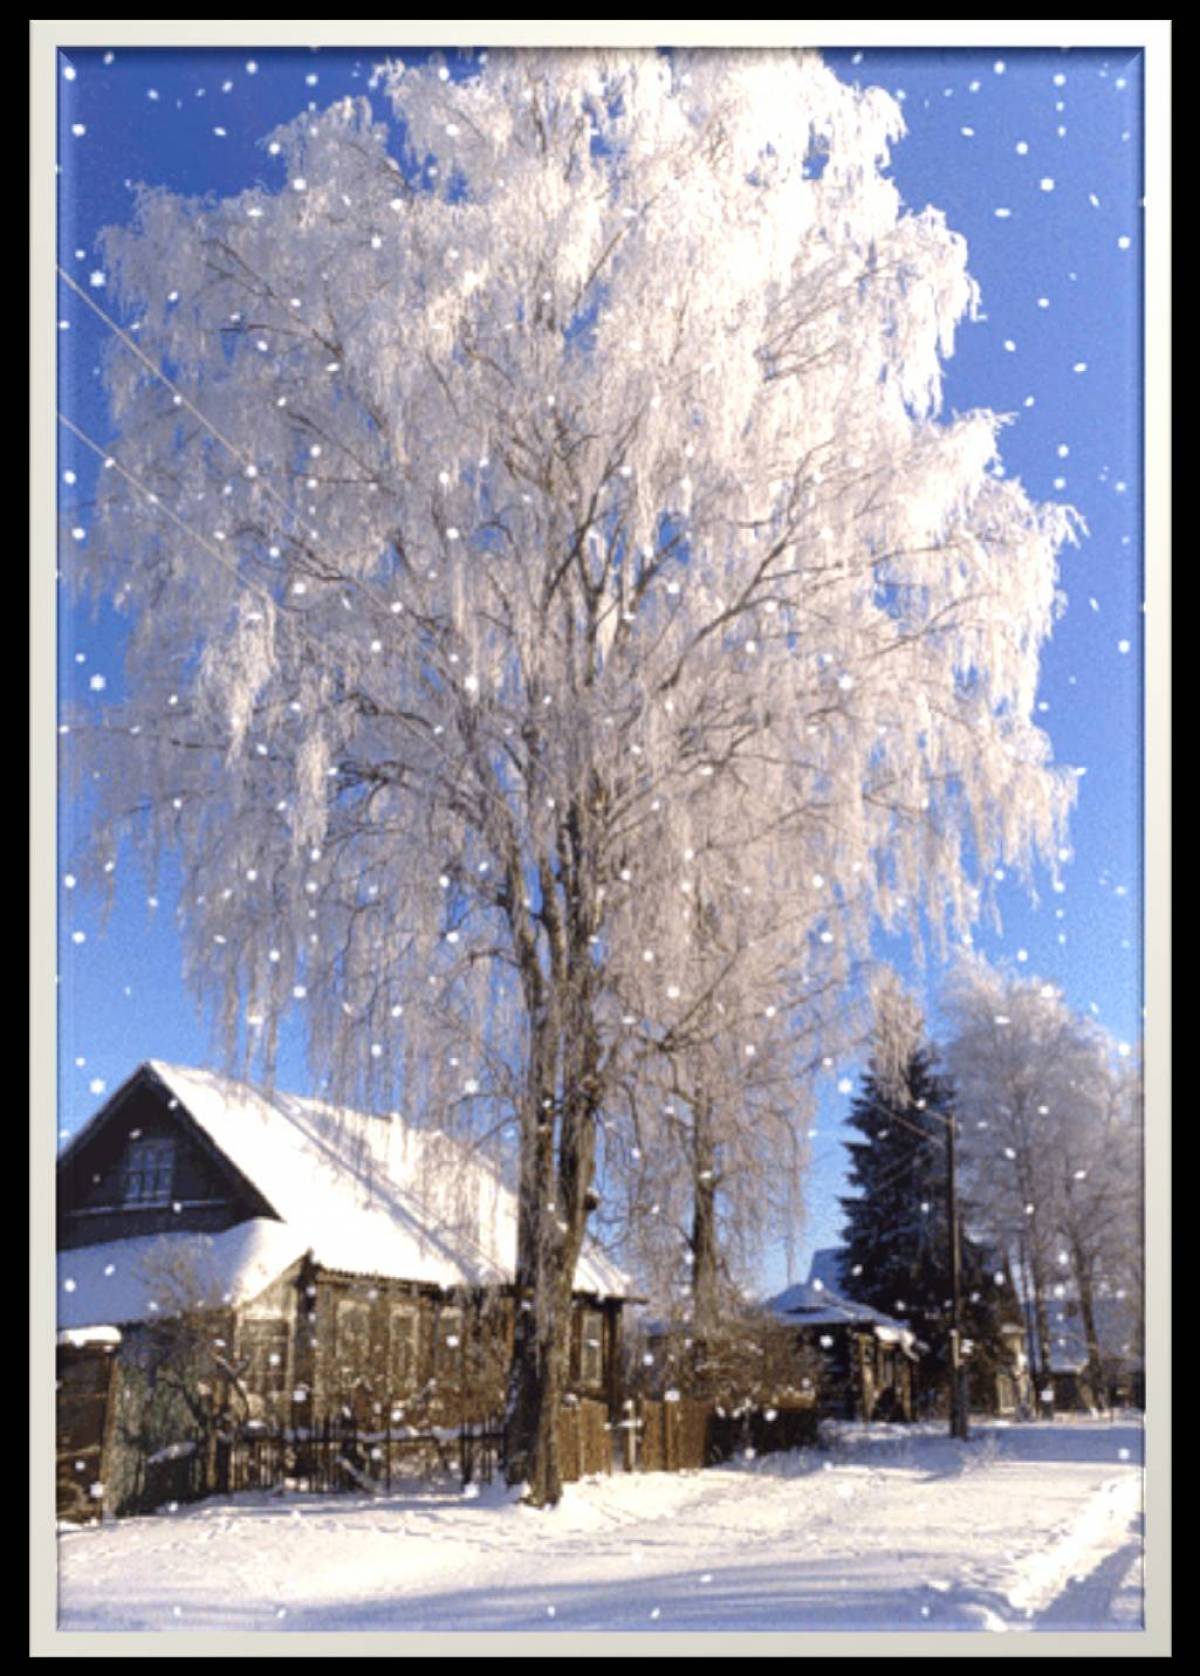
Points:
[[335, 1454], [584, 1441], [684, 1435]]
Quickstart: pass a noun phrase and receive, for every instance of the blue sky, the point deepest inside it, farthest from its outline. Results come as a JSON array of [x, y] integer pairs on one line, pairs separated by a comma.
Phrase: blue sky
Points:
[[1035, 156]]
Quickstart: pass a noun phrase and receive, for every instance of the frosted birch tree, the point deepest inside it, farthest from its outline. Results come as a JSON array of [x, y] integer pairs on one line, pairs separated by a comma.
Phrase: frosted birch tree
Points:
[[535, 512], [1051, 1144]]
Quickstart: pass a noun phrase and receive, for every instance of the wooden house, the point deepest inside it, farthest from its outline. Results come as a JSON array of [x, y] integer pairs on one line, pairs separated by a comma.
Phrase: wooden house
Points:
[[1073, 1385], [997, 1370], [302, 1259], [867, 1359]]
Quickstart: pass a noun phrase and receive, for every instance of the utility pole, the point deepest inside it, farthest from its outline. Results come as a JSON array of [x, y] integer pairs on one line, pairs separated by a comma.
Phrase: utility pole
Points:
[[958, 1392]]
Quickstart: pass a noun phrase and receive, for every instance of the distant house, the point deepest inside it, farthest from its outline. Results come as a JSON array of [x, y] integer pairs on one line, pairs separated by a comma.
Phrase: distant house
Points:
[[868, 1359], [998, 1371], [323, 1259], [1122, 1369]]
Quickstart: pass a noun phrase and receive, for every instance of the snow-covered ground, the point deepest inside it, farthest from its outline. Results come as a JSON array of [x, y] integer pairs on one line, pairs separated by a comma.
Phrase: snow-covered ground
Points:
[[1027, 1527]]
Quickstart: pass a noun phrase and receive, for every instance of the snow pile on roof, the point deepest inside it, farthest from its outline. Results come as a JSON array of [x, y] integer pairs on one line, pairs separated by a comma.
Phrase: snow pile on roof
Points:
[[369, 1195], [80, 1338], [141, 1279]]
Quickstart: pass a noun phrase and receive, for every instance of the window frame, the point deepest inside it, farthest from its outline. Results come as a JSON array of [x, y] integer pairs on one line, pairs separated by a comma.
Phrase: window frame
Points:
[[354, 1366], [259, 1338], [402, 1380], [591, 1321], [447, 1357], [147, 1172]]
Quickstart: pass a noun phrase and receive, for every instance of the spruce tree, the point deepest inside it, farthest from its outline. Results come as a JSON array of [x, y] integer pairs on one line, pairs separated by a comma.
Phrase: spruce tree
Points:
[[897, 1245]]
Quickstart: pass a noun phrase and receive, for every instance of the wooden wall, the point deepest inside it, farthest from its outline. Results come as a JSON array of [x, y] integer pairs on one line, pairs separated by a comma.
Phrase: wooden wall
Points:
[[86, 1398], [206, 1195]]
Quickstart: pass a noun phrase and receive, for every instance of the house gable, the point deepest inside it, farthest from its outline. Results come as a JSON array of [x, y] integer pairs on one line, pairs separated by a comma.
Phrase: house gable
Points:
[[184, 1150], [143, 1166]]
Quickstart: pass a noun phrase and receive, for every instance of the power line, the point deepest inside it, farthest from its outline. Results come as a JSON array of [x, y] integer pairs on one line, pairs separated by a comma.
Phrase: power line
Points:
[[155, 500], [249, 465]]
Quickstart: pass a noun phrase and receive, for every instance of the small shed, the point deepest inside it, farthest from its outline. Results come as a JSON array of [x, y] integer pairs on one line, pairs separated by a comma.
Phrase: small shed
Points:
[[1121, 1372], [867, 1359]]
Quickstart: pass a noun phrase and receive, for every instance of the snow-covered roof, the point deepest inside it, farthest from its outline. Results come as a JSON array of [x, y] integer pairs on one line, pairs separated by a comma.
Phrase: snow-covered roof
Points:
[[812, 1304], [127, 1280], [82, 1338], [368, 1195]]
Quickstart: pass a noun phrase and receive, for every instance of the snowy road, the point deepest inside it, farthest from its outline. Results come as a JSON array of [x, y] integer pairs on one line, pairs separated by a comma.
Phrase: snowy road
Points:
[[1026, 1527]]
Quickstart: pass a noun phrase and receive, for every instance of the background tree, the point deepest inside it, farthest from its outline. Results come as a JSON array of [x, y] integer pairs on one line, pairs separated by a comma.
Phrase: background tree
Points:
[[1050, 1143], [543, 489], [1099, 1139], [719, 1109]]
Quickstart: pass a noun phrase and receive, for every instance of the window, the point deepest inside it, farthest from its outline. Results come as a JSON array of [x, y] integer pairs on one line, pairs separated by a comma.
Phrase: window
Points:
[[264, 1348], [352, 1336], [448, 1356], [591, 1348], [147, 1170], [402, 1349]]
